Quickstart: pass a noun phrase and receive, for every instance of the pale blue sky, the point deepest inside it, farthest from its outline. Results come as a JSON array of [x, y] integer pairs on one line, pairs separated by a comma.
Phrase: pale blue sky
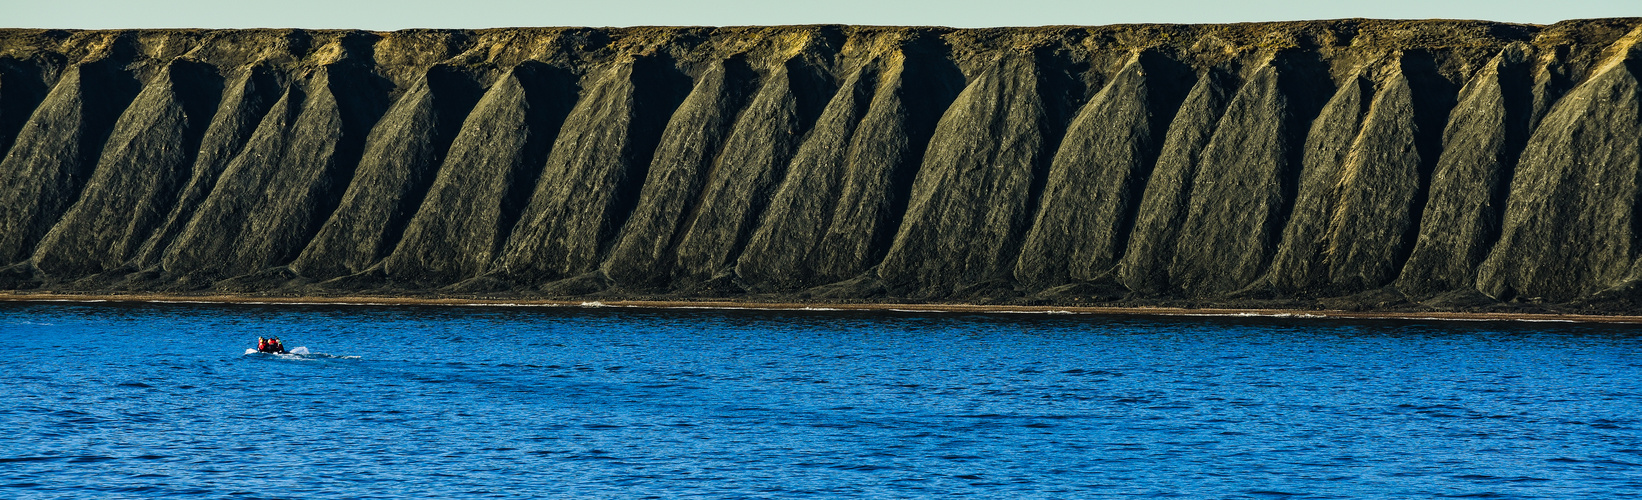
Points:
[[391, 14]]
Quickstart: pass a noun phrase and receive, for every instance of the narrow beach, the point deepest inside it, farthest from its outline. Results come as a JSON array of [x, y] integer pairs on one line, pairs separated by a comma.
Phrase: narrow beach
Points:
[[795, 306]]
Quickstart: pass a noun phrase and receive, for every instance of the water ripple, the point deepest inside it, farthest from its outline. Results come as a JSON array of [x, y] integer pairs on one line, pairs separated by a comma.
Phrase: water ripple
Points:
[[474, 402]]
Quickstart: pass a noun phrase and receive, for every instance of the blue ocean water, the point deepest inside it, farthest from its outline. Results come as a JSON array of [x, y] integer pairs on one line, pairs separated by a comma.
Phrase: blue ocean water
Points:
[[140, 401]]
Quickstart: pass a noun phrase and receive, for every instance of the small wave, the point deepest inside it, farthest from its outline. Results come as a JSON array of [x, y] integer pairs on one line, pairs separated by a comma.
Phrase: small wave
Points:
[[29, 459], [89, 459]]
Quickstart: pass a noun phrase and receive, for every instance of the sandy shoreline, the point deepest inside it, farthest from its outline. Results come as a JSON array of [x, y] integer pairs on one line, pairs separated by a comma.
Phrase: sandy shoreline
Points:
[[791, 306]]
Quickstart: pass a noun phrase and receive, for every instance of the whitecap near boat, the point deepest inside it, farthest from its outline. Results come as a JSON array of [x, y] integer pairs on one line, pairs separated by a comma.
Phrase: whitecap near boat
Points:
[[295, 351]]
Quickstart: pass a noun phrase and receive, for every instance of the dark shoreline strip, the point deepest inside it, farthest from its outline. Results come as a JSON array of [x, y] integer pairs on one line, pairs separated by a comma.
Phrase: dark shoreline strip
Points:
[[794, 306]]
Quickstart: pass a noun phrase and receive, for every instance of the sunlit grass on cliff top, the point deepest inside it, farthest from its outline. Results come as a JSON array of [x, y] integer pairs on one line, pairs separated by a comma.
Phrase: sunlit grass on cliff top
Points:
[[385, 15]]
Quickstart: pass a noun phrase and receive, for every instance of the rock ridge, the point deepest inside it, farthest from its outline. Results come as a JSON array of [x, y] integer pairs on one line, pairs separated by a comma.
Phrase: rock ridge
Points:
[[1358, 164]]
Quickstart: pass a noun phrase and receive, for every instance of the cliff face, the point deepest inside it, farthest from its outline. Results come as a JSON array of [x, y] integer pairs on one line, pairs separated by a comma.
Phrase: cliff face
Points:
[[1351, 163]]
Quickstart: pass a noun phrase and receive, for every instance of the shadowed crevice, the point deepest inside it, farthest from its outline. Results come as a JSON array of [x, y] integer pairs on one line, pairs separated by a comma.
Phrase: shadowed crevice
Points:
[[400, 156], [1098, 175], [749, 168], [56, 152], [586, 187], [143, 166], [22, 88], [1162, 208], [644, 252], [485, 179], [1433, 98], [244, 103], [275, 194]]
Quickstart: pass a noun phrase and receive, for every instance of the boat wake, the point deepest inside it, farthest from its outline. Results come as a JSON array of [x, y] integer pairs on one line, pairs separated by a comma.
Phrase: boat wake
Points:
[[296, 353]]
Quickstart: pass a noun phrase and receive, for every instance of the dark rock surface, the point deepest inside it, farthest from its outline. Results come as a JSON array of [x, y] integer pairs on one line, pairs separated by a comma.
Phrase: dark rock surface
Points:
[[972, 199], [1098, 175], [644, 253], [1244, 185], [402, 152], [485, 180], [1571, 218], [740, 182], [1481, 143], [1351, 164], [590, 182], [1145, 265], [56, 152], [144, 164]]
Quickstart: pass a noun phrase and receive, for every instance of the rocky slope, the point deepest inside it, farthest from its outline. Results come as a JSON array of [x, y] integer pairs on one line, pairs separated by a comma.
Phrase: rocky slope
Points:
[[1354, 163]]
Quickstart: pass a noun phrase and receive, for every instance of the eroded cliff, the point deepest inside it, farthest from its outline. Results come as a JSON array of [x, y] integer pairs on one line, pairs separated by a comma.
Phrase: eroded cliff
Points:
[[1350, 163]]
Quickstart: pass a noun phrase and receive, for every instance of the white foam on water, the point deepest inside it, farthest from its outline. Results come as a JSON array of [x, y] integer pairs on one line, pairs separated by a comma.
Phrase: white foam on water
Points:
[[307, 303], [1017, 311], [1248, 315], [510, 304], [300, 352], [742, 308]]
